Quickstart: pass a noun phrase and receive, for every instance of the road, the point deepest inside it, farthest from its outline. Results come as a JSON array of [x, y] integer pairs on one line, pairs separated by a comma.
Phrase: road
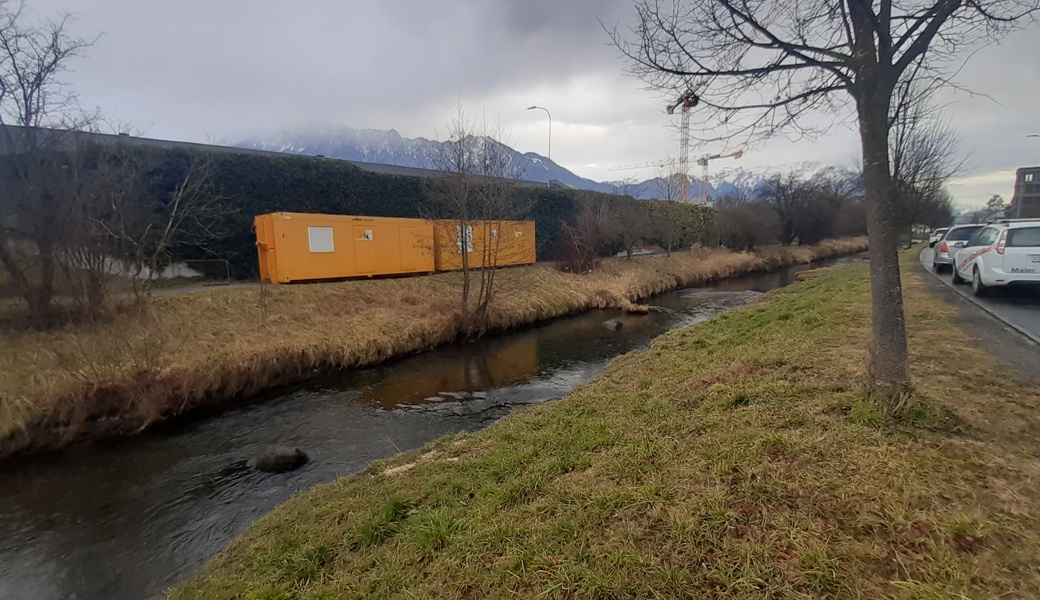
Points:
[[1018, 309]]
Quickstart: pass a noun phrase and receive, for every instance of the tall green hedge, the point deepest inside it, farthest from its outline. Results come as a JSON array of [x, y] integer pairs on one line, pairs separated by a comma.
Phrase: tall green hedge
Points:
[[251, 184]]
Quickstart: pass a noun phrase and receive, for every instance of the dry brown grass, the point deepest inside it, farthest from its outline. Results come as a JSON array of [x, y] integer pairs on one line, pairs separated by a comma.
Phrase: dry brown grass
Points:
[[735, 459], [202, 349]]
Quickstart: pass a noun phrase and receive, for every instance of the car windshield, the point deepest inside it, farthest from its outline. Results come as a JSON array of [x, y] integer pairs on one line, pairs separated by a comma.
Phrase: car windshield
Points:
[[941, 231], [961, 233], [1024, 237]]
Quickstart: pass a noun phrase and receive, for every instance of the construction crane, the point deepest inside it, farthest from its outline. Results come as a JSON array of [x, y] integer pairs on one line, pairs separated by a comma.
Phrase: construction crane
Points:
[[703, 162], [684, 103], [731, 60], [644, 165]]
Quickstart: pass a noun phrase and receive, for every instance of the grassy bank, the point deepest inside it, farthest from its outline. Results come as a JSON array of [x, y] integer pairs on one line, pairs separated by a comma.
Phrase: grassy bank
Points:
[[203, 349], [733, 459]]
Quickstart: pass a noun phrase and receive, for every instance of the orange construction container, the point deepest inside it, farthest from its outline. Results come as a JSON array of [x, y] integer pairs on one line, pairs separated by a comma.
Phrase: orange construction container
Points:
[[310, 247], [488, 243]]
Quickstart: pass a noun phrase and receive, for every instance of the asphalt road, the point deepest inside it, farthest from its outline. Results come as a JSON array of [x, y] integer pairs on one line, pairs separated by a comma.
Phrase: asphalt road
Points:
[[1018, 309]]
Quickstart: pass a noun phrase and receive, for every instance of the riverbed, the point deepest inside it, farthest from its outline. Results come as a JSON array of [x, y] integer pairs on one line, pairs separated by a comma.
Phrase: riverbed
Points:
[[130, 518]]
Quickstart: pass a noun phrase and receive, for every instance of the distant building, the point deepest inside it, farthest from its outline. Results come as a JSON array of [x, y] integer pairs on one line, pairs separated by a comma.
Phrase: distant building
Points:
[[1026, 201]]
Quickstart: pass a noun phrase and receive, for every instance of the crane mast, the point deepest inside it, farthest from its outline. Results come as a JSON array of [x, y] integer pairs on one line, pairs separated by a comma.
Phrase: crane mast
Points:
[[684, 103]]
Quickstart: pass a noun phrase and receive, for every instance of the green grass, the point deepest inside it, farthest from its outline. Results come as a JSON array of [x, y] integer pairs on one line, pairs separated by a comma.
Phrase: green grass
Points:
[[734, 459]]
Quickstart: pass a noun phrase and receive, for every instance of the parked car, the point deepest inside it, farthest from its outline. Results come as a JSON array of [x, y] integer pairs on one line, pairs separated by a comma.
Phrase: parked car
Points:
[[1003, 253], [951, 242], [936, 236]]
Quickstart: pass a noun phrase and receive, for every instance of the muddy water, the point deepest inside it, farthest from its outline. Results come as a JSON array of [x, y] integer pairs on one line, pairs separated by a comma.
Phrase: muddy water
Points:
[[131, 518]]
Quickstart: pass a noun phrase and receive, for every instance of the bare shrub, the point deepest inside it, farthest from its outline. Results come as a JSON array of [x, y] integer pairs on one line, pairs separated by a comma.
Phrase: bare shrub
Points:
[[594, 230], [742, 224]]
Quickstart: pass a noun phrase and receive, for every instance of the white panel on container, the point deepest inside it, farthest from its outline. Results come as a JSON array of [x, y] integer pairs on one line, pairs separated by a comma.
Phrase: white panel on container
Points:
[[320, 239], [467, 238]]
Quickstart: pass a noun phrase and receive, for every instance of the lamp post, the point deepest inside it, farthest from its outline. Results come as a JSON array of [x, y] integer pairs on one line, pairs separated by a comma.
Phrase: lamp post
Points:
[[550, 133]]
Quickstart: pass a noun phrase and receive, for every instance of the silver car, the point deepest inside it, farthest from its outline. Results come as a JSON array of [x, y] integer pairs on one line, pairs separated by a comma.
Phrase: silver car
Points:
[[944, 251]]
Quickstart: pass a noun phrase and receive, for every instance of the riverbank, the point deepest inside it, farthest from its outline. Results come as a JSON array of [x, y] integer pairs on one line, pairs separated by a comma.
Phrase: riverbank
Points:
[[736, 458], [200, 350]]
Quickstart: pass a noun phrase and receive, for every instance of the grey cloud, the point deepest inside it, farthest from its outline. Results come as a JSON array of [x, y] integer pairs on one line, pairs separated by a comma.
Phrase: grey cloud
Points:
[[194, 68]]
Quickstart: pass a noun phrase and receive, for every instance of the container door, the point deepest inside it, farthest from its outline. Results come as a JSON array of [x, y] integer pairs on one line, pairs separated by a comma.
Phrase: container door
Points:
[[364, 250], [411, 253]]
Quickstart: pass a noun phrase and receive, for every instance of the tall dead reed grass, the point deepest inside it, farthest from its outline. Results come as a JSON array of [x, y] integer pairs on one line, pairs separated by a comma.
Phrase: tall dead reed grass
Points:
[[188, 352]]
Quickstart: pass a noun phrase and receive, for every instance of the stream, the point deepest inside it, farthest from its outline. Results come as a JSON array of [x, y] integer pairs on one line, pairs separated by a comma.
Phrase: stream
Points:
[[131, 518]]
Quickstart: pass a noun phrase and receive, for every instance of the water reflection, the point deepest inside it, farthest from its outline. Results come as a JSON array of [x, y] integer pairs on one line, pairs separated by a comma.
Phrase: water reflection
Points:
[[450, 376]]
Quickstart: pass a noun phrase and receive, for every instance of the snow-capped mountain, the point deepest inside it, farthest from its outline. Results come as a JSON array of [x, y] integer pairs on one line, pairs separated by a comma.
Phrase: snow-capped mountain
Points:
[[734, 180], [390, 148]]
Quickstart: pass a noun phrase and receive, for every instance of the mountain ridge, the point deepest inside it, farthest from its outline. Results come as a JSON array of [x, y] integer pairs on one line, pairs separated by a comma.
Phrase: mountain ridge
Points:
[[389, 147]]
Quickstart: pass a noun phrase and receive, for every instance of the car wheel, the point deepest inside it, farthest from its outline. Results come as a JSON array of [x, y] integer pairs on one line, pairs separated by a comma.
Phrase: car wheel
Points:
[[977, 287], [957, 279]]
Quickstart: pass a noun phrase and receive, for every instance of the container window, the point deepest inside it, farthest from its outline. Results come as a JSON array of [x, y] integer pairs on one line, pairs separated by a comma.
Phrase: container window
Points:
[[320, 239]]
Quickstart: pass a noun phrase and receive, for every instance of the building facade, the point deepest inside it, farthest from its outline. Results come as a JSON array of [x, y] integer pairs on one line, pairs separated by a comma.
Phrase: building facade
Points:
[[1026, 201]]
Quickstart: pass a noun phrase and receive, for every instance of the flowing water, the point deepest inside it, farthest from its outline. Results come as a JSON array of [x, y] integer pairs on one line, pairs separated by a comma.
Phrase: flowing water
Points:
[[131, 518]]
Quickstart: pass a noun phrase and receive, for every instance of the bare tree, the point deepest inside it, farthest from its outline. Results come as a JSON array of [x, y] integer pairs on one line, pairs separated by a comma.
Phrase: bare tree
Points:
[[146, 219], [666, 182], [477, 192], [668, 223], [783, 193], [759, 68], [741, 223], [593, 231], [626, 187], [633, 225], [32, 59], [816, 213], [924, 149], [86, 184]]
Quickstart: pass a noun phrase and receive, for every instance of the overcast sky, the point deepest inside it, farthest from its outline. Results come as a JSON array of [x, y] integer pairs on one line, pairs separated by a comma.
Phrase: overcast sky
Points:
[[207, 70]]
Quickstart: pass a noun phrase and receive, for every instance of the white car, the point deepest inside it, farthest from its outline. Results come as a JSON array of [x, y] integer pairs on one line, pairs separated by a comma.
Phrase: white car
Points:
[[936, 236], [1002, 253]]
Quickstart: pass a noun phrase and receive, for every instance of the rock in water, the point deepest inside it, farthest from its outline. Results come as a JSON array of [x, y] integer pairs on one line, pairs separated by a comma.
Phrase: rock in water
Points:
[[278, 459], [613, 324]]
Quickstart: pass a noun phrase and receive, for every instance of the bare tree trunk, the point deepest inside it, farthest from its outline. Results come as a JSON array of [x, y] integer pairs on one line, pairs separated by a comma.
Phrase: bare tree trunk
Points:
[[889, 375], [45, 294]]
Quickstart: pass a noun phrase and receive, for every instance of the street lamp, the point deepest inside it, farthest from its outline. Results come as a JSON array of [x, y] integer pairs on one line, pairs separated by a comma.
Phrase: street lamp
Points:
[[550, 126]]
